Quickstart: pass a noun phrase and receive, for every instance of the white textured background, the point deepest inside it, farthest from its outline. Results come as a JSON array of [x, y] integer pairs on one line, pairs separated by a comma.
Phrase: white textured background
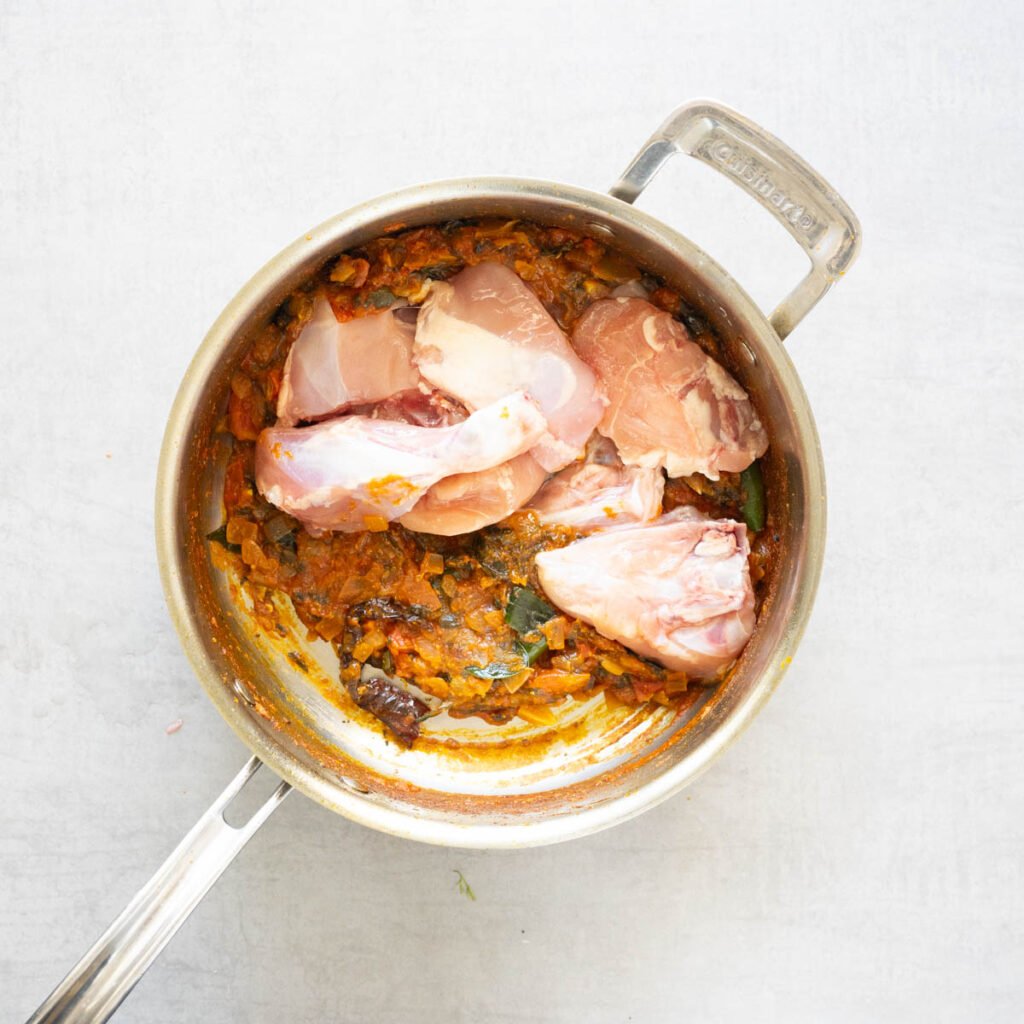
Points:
[[858, 856]]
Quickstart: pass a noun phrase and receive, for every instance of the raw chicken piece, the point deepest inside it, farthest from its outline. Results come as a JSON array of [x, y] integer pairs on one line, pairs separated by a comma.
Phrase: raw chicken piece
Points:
[[485, 334], [670, 404], [333, 366], [469, 501], [424, 407], [600, 491], [356, 473], [465, 501], [676, 590]]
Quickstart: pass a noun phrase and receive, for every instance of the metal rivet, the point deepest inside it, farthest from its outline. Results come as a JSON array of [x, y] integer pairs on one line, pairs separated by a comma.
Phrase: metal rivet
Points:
[[600, 229], [354, 787], [749, 352], [239, 687]]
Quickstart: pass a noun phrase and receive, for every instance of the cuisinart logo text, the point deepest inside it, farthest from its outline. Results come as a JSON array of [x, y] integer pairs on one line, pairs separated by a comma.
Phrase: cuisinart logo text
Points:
[[743, 166]]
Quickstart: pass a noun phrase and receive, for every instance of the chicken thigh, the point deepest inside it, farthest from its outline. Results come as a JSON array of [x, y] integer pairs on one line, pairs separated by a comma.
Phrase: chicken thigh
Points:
[[677, 590], [485, 334], [670, 404], [470, 501], [333, 366], [356, 473], [600, 491]]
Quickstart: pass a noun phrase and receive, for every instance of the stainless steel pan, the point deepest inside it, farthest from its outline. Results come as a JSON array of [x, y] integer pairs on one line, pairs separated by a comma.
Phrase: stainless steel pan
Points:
[[504, 787]]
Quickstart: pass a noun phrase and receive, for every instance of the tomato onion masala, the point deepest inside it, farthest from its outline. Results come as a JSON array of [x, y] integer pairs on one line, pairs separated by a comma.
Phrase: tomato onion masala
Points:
[[498, 467]]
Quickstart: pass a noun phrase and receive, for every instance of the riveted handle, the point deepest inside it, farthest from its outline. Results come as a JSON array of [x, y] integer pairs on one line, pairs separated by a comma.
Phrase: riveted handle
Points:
[[799, 198], [100, 981]]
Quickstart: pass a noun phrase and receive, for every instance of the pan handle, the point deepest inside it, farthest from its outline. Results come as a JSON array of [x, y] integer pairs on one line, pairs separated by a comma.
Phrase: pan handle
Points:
[[801, 200], [98, 983]]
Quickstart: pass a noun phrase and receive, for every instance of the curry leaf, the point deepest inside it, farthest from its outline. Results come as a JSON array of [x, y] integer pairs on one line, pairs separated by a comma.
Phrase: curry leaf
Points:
[[532, 651], [465, 889], [525, 611], [753, 497]]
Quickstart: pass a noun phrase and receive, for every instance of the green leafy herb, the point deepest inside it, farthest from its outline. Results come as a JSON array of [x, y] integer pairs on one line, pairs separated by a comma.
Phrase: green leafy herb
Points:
[[525, 611], [465, 889], [494, 670], [280, 530], [438, 272], [220, 536], [753, 497], [531, 651], [380, 298], [495, 567], [528, 650]]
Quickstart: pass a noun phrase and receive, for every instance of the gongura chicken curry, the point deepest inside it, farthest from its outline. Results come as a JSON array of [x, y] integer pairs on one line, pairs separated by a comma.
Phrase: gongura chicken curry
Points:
[[498, 467]]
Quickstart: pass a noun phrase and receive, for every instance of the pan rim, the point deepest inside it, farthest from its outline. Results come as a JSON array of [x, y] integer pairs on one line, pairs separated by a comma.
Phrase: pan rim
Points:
[[409, 822]]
